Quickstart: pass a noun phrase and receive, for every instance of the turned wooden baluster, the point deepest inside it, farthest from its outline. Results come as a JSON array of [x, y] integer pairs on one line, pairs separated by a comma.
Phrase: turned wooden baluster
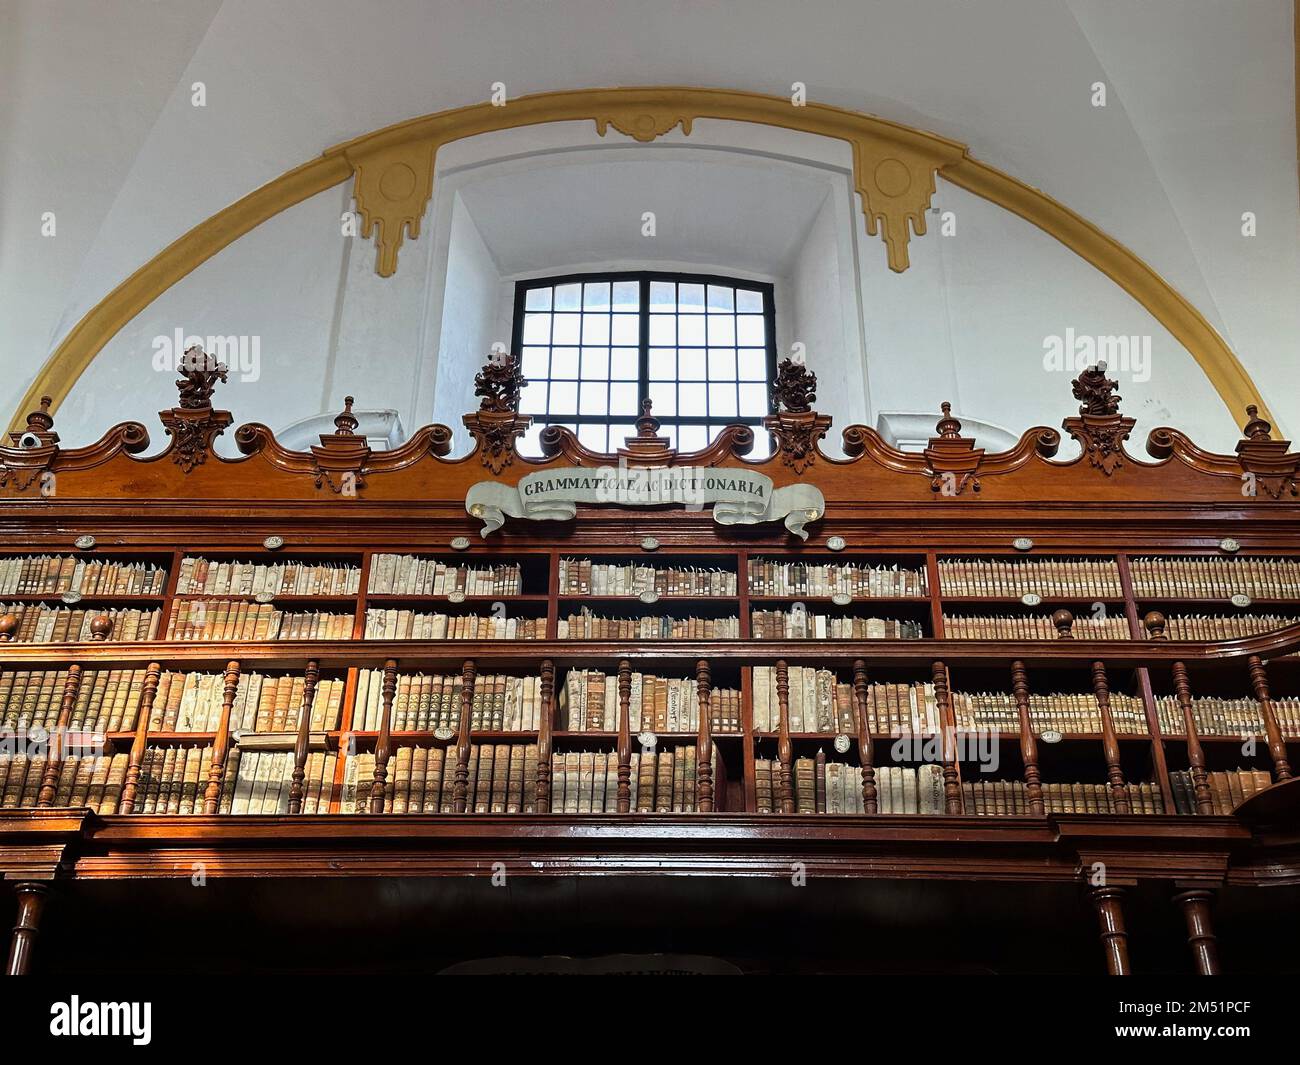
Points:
[[1109, 743], [544, 738], [870, 803], [1108, 902], [1028, 742], [54, 762], [148, 693], [221, 744], [384, 741], [310, 677], [31, 901], [703, 741], [1064, 622], [624, 736], [1276, 746], [460, 792], [951, 785], [1196, 905], [784, 752], [1155, 625]]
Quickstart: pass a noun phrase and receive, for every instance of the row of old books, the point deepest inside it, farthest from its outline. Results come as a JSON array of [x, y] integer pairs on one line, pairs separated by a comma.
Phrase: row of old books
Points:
[[107, 699], [202, 576], [93, 780], [411, 625], [238, 619], [658, 782], [589, 702], [588, 626], [1001, 798], [263, 780], [55, 574], [422, 703], [191, 702], [1227, 790], [173, 779], [39, 623], [1058, 712], [1230, 627], [1032, 627], [412, 575], [1217, 578], [820, 786], [502, 778], [1214, 716], [817, 703], [1055, 577], [773, 577], [800, 624], [581, 576]]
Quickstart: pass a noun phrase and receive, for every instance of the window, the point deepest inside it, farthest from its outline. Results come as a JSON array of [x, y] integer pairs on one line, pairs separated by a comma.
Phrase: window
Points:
[[593, 346]]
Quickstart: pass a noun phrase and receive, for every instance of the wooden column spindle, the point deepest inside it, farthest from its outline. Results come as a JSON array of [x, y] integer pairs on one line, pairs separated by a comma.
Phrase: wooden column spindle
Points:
[[1109, 742], [704, 741], [624, 795], [951, 785], [221, 743], [1276, 745], [1195, 905], [310, 678], [148, 693], [1108, 902], [54, 761], [460, 791], [1028, 742], [31, 901], [384, 741], [544, 737], [784, 751], [866, 753], [1156, 624]]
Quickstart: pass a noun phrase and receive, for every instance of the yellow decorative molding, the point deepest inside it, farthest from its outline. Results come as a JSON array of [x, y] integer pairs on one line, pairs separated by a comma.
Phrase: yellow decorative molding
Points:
[[894, 167]]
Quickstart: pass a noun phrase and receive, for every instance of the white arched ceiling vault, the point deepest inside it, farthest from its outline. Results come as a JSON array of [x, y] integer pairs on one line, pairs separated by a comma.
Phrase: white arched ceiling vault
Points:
[[1199, 127]]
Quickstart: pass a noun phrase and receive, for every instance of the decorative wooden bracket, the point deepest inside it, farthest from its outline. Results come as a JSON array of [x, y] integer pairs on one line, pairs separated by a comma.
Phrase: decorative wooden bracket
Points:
[[194, 424], [36, 447], [1099, 427], [952, 459], [497, 424], [1269, 461], [794, 424], [340, 460]]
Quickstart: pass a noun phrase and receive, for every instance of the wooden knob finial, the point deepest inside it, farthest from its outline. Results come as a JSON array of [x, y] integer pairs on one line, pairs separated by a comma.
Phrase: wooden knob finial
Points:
[[1064, 622], [100, 628], [1155, 625], [8, 627]]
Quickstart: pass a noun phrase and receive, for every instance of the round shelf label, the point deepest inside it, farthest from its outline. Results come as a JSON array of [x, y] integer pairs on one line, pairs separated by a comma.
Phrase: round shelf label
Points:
[[841, 744], [1240, 599], [1050, 736], [443, 733], [71, 597], [1031, 599], [273, 543], [841, 599], [1022, 543], [649, 597], [264, 597], [649, 543], [1229, 545], [460, 543], [84, 543], [456, 597], [836, 543]]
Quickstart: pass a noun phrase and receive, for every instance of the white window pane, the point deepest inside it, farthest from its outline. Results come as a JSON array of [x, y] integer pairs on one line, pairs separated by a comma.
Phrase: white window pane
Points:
[[690, 299], [762, 445], [595, 329], [537, 299], [627, 295], [663, 398], [594, 398], [663, 329], [531, 443], [669, 431], [532, 400], [692, 437], [618, 434], [564, 363], [537, 328], [595, 296], [693, 399], [626, 330], [624, 364], [663, 364], [721, 298], [753, 364], [722, 330], [748, 301], [722, 400], [622, 399], [593, 436], [535, 360], [690, 331], [564, 397], [691, 365], [750, 330], [565, 329], [568, 297], [753, 400], [595, 364], [663, 296], [722, 364]]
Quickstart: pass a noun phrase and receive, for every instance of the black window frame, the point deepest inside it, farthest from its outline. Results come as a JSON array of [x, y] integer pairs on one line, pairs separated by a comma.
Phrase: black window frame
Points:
[[645, 277]]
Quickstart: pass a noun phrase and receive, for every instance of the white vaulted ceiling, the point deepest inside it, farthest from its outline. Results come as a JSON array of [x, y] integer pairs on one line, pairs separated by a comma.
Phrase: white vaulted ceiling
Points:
[[96, 125]]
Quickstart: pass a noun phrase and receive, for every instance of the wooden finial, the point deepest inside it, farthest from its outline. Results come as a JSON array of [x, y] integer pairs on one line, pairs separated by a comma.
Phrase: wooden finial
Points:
[[1155, 625], [647, 424], [1064, 622], [1256, 427], [345, 423], [948, 426], [8, 626], [499, 384], [100, 628]]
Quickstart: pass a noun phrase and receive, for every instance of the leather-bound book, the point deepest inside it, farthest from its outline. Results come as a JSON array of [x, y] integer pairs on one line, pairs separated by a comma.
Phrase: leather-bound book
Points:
[[500, 778], [804, 786]]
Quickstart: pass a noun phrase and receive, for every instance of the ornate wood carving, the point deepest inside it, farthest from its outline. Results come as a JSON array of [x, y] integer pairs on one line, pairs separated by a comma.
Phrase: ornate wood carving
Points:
[[310, 677], [221, 743], [865, 752], [1269, 463], [952, 459], [383, 742], [793, 422], [647, 447], [194, 424], [1028, 742], [340, 459], [497, 424], [36, 446], [704, 740], [1100, 429]]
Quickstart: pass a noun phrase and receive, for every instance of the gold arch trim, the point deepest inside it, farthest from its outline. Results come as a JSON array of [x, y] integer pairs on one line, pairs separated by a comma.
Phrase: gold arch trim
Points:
[[894, 169]]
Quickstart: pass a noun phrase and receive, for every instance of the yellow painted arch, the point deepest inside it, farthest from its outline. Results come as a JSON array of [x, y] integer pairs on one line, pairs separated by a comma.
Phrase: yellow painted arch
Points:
[[894, 167]]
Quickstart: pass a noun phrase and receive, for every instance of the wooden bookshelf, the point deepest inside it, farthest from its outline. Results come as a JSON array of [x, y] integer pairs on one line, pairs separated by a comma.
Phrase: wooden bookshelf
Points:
[[882, 508]]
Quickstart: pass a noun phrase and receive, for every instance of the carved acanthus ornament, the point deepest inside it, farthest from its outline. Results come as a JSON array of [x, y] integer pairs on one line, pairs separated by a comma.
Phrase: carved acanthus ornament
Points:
[[1268, 463], [340, 459], [1100, 429], [497, 424], [194, 424], [794, 424], [952, 459]]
